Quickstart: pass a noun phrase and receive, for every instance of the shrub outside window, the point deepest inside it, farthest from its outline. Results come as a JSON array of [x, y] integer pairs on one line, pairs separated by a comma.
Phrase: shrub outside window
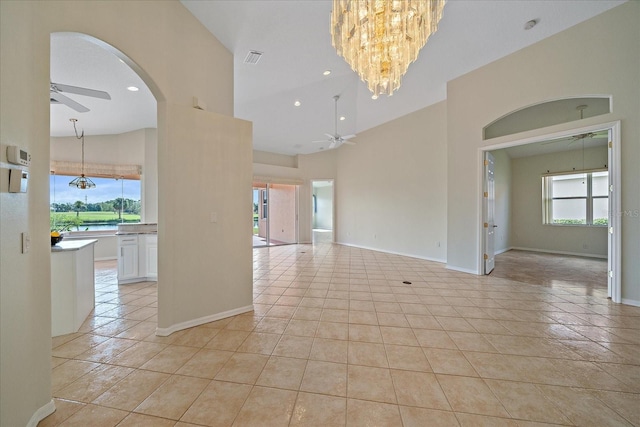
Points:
[[576, 198]]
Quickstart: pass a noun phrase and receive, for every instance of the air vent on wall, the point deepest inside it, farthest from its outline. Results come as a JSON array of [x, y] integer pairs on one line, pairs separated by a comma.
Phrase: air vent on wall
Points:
[[253, 57]]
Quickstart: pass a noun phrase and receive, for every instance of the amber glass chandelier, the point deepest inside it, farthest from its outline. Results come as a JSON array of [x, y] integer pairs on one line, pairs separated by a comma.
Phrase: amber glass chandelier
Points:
[[380, 38]]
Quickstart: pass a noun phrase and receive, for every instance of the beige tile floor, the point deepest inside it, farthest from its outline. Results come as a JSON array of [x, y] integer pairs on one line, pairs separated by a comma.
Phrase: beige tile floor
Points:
[[338, 339]]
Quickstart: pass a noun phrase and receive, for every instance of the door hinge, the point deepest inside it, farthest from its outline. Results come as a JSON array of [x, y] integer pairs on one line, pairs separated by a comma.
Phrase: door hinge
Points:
[[486, 256], [611, 188], [610, 273], [610, 230], [486, 225], [486, 162], [486, 194], [610, 144]]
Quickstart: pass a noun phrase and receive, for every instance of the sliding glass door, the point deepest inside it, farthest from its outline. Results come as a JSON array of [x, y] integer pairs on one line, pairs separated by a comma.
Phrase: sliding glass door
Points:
[[274, 214]]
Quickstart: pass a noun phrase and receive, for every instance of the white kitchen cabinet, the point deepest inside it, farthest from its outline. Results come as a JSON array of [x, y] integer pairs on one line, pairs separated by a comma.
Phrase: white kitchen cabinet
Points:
[[128, 269], [151, 261], [137, 257]]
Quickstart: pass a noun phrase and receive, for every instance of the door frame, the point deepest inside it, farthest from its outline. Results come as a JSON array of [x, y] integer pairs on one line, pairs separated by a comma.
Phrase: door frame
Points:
[[267, 190], [614, 166], [333, 206], [488, 212]]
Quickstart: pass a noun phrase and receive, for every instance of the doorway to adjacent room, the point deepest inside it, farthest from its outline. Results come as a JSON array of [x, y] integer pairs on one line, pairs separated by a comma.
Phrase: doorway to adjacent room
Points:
[[274, 214], [322, 211]]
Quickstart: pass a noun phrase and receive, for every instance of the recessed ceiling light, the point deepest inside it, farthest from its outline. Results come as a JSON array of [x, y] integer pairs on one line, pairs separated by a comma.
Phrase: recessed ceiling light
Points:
[[132, 89], [297, 103], [530, 24], [342, 118], [326, 72]]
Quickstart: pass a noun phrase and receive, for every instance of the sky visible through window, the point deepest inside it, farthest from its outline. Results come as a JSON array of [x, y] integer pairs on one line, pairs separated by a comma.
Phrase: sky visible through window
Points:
[[106, 189]]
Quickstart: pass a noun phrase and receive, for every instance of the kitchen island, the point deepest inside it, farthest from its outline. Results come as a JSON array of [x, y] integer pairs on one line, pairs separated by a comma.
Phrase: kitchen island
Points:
[[72, 285]]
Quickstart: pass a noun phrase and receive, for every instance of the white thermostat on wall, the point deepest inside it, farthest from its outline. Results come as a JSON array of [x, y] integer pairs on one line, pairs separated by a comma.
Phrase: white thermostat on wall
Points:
[[18, 156]]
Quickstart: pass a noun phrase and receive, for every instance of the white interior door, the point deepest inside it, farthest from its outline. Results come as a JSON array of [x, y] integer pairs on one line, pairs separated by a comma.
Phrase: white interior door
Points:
[[488, 212], [615, 223]]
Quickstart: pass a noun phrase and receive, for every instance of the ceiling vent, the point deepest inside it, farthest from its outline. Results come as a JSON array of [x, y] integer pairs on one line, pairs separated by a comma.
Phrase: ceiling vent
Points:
[[253, 57]]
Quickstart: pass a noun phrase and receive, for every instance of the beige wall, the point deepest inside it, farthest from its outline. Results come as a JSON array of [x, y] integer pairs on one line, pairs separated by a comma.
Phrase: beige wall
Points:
[[125, 148], [181, 60], [528, 232], [610, 43], [391, 191], [204, 204]]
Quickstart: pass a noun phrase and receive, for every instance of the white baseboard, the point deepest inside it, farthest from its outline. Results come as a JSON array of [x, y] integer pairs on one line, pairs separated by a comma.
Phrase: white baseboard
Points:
[[518, 248], [393, 253], [462, 270], [42, 413], [501, 251], [164, 332], [633, 302], [138, 280]]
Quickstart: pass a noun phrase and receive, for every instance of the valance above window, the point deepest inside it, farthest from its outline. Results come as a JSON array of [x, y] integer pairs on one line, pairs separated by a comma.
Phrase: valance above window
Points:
[[96, 169]]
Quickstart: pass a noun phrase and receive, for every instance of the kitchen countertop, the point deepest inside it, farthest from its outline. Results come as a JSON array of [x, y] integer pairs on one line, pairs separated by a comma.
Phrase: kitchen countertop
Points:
[[129, 233], [137, 228], [72, 245]]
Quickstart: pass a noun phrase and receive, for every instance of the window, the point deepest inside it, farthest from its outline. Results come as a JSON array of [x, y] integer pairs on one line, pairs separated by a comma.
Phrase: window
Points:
[[264, 203], [113, 201], [576, 198]]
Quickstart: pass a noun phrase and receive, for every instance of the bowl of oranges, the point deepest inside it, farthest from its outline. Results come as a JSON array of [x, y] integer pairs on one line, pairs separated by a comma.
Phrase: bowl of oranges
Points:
[[56, 237]]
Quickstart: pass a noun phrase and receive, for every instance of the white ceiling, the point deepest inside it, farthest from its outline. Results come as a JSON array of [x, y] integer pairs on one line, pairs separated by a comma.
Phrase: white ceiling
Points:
[[77, 61], [295, 39]]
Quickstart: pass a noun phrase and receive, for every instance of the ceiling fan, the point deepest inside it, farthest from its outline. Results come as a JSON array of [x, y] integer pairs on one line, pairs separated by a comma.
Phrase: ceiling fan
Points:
[[336, 139], [580, 137], [56, 95]]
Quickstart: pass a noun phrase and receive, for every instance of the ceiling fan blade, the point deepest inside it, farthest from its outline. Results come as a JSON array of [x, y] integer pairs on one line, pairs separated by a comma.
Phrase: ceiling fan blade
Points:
[[57, 87], [348, 136], [322, 140], [349, 142], [328, 135], [55, 96], [332, 145]]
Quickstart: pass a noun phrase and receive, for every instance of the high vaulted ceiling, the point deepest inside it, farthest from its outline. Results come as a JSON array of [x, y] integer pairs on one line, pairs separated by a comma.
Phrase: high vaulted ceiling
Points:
[[294, 37]]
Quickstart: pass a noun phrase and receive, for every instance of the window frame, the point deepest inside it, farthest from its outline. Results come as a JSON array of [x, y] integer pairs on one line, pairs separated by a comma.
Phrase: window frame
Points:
[[547, 197], [105, 231]]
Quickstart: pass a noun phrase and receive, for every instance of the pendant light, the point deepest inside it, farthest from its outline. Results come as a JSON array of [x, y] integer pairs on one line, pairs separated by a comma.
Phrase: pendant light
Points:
[[81, 182]]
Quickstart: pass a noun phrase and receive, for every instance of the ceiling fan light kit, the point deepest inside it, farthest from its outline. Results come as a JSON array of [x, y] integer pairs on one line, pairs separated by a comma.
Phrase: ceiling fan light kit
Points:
[[380, 38], [336, 139]]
